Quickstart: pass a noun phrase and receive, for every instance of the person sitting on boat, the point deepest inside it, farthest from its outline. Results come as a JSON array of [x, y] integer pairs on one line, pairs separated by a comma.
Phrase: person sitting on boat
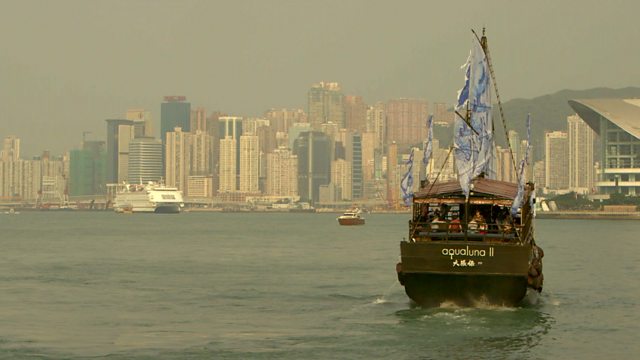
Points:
[[438, 223], [454, 226], [478, 224]]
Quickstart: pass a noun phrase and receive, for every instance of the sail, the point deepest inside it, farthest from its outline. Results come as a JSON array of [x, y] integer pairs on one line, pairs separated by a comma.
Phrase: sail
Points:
[[428, 149], [517, 202], [406, 185], [473, 135]]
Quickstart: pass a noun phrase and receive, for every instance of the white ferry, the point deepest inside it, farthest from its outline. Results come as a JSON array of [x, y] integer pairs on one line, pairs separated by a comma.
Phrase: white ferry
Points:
[[149, 198]]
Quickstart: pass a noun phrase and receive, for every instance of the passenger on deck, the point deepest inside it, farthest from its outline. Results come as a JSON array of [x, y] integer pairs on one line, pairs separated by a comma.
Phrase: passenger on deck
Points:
[[478, 224], [454, 226], [438, 223]]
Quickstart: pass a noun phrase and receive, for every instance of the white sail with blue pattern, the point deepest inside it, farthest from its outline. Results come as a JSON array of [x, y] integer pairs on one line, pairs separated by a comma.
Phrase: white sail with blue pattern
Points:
[[473, 128]]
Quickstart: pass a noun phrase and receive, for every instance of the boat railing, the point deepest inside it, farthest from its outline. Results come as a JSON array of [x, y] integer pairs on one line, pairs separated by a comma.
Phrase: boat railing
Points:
[[446, 231]]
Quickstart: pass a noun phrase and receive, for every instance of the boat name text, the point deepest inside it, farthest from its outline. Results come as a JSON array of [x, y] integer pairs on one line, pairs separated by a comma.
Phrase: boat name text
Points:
[[466, 251]]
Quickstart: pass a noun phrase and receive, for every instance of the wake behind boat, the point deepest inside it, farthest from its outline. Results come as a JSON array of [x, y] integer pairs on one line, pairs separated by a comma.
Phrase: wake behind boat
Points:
[[351, 217], [148, 198], [471, 240]]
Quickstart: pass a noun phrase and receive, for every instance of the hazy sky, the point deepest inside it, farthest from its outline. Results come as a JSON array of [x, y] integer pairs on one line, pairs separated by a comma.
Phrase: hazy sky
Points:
[[66, 66]]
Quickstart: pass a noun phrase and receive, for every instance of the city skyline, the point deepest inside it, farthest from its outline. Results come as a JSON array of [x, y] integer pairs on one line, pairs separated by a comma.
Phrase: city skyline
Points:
[[67, 69]]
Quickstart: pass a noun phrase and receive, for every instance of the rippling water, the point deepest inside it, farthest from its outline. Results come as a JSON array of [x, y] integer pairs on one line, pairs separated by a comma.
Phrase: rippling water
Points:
[[291, 286]]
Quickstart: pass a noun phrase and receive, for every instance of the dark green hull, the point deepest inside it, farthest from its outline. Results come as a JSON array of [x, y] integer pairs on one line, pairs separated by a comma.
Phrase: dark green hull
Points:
[[429, 290], [466, 273]]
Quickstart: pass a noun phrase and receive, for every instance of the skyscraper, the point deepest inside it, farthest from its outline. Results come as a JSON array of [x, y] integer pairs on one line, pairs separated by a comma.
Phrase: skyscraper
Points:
[[377, 123], [355, 113], [120, 132], [231, 127], [556, 161], [325, 104], [87, 169], [175, 112], [227, 165], [177, 158], [141, 121], [145, 160], [282, 173], [581, 169], [313, 149], [249, 163], [406, 122]]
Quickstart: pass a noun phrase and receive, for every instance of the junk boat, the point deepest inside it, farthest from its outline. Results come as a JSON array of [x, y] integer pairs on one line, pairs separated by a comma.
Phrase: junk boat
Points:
[[471, 240], [351, 217]]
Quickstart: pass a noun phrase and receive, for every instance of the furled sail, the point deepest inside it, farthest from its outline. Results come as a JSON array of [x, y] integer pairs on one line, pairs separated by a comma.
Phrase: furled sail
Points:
[[406, 185], [428, 149], [473, 129]]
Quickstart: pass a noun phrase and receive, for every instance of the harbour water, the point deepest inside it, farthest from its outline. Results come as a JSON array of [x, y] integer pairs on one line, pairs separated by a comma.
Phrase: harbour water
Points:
[[78, 285]]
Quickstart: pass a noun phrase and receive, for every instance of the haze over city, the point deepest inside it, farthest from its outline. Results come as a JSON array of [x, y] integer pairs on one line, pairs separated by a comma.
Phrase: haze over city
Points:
[[69, 65]]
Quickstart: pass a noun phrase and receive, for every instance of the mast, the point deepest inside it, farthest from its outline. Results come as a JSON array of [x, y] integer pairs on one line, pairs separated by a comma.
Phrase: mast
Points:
[[485, 47]]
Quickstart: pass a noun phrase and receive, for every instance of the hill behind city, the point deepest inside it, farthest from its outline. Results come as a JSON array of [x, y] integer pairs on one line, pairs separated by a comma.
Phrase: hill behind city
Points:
[[549, 112]]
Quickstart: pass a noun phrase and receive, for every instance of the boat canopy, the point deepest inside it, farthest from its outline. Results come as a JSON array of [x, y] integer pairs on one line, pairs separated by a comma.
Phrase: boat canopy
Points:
[[482, 190]]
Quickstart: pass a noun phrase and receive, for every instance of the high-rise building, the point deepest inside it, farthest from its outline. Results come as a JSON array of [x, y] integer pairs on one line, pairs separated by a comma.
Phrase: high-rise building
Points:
[[200, 150], [227, 165], [325, 104], [341, 179], [377, 123], [10, 149], [354, 156], [556, 161], [177, 158], [443, 112], [141, 121], [313, 149], [514, 144], [581, 139], [145, 160], [538, 174], [282, 173], [249, 163], [368, 156], [120, 132], [355, 113], [87, 169], [295, 130], [231, 127], [282, 119], [175, 112], [198, 120], [406, 122]]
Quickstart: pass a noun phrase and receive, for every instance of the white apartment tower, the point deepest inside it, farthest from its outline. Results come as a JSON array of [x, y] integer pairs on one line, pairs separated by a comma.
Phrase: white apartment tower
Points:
[[227, 165], [177, 159], [581, 170], [249, 163], [556, 146], [341, 177], [282, 173]]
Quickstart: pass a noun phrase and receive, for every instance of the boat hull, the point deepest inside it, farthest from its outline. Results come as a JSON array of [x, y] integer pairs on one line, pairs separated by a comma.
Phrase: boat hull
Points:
[[351, 221], [464, 273], [431, 290], [167, 209]]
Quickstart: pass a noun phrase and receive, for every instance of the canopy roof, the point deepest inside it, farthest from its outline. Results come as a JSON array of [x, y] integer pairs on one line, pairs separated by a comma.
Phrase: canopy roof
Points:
[[479, 186]]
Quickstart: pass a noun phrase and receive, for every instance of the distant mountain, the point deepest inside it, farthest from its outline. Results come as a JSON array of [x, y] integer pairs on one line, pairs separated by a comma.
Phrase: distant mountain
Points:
[[549, 112]]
